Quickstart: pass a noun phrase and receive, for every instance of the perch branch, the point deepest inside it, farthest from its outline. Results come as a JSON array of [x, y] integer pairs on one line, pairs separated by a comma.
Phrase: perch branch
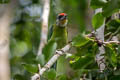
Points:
[[52, 61], [44, 28]]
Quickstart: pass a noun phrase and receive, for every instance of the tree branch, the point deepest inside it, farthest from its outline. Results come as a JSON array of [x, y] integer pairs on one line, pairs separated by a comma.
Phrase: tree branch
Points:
[[100, 35], [6, 15], [52, 61], [44, 28]]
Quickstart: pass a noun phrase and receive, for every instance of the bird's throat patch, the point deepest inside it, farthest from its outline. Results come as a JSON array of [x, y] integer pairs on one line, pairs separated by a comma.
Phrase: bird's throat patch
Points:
[[63, 22]]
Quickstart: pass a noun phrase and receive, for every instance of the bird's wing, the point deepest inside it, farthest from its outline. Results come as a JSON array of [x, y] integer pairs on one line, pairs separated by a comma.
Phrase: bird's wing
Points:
[[50, 32]]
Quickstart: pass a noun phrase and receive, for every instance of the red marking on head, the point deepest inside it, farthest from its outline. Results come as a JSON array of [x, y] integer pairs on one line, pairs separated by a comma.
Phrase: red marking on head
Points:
[[63, 14]]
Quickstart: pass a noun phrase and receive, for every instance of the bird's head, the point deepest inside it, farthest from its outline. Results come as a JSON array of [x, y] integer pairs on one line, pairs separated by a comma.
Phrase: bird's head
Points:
[[62, 20]]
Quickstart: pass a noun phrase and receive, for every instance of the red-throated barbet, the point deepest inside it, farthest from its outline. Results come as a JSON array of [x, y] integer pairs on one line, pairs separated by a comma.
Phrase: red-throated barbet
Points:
[[59, 34]]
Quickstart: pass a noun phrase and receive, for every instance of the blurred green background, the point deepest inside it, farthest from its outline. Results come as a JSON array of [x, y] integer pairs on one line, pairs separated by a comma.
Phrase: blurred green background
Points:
[[25, 38]]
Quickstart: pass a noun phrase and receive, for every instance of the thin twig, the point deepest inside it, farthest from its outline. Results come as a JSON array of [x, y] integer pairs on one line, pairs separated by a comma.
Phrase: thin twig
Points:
[[39, 67], [112, 42], [98, 41], [113, 34]]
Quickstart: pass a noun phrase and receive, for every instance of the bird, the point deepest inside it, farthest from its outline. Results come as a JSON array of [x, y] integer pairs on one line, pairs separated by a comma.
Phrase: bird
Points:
[[59, 33]]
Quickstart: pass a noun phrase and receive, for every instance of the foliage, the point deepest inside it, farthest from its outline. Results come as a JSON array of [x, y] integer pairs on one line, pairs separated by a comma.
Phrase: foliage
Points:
[[4, 1], [98, 20], [25, 38]]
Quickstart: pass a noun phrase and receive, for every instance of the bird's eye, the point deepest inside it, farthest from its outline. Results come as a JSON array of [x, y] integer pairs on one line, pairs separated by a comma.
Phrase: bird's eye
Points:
[[59, 17]]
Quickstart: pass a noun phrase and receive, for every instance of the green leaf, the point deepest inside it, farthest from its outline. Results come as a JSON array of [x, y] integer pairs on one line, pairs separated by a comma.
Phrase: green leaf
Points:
[[41, 59], [49, 50], [97, 3], [29, 58], [4, 1], [31, 67], [113, 25], [111, 7], [61, 77], [97, 20], [79, 40], [19, 77], [20, 48], [50, 74], [111, 56], [115, 77], [89, 47], [82, 62]]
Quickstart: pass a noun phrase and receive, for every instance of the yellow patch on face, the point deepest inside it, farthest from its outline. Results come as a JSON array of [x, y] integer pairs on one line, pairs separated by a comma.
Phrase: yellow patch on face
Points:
[[63, 21]]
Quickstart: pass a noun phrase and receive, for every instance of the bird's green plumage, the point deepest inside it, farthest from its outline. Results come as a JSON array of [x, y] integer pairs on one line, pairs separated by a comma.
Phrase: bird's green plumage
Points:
[[59, 34]]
